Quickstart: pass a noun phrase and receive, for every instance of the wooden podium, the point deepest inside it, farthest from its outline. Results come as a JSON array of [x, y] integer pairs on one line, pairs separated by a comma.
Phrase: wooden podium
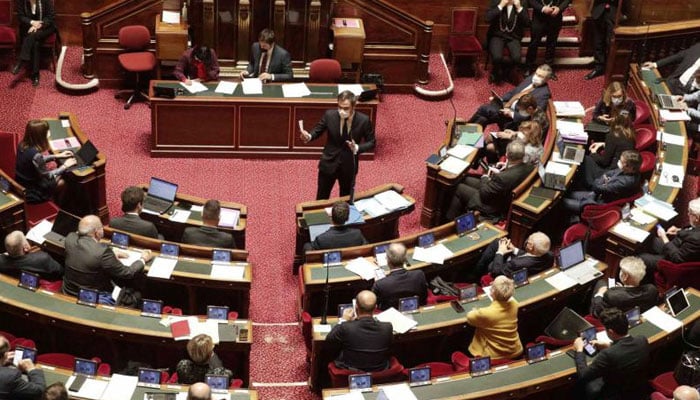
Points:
[[349, 44], [171, 41]]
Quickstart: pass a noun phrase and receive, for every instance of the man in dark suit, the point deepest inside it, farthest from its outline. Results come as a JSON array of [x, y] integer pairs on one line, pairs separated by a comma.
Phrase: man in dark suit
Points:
[[339, 235], [268, 61], [400, 282], [349, 134], [91, 264], [13, 386], [620, 371], [364, 342], [508, 112], [501, 257], [207, 234], [632, 292], [685, 246], [603, 14], [491, 195], [132, 204], [19, 258], [507, 22], [619, 183], [547, 17], [681, 81]]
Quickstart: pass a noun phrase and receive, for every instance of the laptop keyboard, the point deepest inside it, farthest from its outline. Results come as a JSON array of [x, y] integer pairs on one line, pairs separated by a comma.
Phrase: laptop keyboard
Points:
[[154, 204]]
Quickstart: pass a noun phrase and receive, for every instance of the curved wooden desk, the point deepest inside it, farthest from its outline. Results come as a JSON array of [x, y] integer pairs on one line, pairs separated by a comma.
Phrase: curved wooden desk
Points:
[[12, 217], [116, 334]]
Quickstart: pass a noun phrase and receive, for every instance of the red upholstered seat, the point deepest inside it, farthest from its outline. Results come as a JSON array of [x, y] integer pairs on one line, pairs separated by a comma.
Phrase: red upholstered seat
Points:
[[432, 299], [553, 343], [595, 322], [464, 44], [462, 41], [648, 162], [8, 153], [8, 36], [460, 361], [595, 222], [659, 396], [38, 212], [339, 376], [645, 137], [136, 58], [24, 342], [437, 369], [306, 331], [137, 62], [51, 286], [642, 113], [7, 335], [325, 70], [665, 384], [65, 360], [683, 275]]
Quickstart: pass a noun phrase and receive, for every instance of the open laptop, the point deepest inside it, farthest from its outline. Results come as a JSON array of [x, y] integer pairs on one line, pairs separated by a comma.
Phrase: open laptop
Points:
[[669, 102], [543, 191], [426, 240], [217, 313], [88, 297], [520, 277], [408, 304], [465, 223], [221, 256], [152, 308], [64, 224], [160, 196], [572, 261], [468, 293], [83, 369], [570, 153], [86, 155], [120, 239], [332, 258]]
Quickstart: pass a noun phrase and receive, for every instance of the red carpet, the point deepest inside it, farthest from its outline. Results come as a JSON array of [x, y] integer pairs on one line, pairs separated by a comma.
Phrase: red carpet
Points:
[[408, 130]]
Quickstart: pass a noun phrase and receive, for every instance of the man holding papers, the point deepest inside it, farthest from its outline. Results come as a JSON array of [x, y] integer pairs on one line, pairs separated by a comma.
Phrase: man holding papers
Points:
[[198, 63], [268, 61], [685, 246], [400, 282], [207, 234], [364, 342], [12, 384], [91, 264], [349, 133], [338, 235]]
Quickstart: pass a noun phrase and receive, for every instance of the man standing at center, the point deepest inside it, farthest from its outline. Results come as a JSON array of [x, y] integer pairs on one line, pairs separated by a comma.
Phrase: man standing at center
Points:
[[349, 133]]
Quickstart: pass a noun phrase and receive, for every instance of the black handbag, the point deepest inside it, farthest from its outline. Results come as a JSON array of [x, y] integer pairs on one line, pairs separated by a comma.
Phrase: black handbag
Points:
[[687, 370]]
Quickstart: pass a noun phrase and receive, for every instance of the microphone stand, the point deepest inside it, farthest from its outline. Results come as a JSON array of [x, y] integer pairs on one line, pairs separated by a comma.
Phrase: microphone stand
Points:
[[326, 292], [355, 160]]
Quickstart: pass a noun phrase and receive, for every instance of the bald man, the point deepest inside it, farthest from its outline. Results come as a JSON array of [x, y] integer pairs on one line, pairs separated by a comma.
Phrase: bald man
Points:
[[501, 257], [400, 282], [363, 341], [685, 392], [12, 384], [199, 391], [91, 264], [18, 258]]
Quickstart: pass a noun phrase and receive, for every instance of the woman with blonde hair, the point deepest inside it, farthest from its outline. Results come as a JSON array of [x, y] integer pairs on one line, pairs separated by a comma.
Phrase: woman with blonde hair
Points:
[[614, 101], [201, 361]]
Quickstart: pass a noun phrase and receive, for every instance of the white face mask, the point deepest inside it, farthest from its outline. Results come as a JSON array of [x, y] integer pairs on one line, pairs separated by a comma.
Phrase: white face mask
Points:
[[619, 164], [343, 114], [524, 113], [537, 81], [616, 101]]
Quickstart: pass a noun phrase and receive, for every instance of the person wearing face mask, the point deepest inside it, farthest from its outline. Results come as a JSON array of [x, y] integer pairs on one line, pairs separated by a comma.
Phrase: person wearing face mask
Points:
[[604, 155], [680, 80], [349, 133], [507, 113], [619, 183], [198, 63], [692, 106], [268, 61], [613, 101], [93, 265]]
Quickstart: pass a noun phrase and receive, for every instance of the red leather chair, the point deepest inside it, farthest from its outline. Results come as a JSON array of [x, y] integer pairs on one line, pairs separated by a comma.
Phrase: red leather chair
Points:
[[51, 286], [664, 384], [8, 152], [136, 58], [235, 383], [7, 335], [8, 36], [460, 361], [169, 310], [669, 274], [462, 41], [307, 332], [437, 369], [642, 113], [553, 343], [339, 376], [67, 361], [648, 164], [645, 137], [596, 224], [433, 299], [325, 70]]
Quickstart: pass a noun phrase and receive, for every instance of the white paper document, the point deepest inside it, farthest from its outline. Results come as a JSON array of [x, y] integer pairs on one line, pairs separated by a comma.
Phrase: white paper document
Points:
[[69, 142], [371, 206], [362, 267], [460, 151], [322, 328], [162, 268], [669, 115], [170, 17], [197, 208], [226, 87], [668, 138], [120, 387], [662, 320], [561, 281], [295, 90], [570, 128], [252, 86], [227, 272], [672, 175], [391, 200], [453, 165], [399, 391], [434, 255], [569, 109], [228, 217], [36, 234], [180, 215], [557, 168], [352, 395], [399, 322], [355, 88], [132, 256], [628, 231], [194, 87], [208, 327], [639, 216], [657, 208], [91, 389]]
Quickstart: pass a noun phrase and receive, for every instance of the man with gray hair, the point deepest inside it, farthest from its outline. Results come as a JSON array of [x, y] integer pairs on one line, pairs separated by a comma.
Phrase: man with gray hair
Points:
[[685, 392], [91, 264], [19, 257], [400, 282], [491, 194], [684, 247], [501, 257], [199, 391], [629, 293]]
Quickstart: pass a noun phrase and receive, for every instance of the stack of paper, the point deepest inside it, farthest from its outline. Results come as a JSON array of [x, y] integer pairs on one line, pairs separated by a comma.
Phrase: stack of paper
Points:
[[572, 131], [653, 206], [399, 391], [392, 200], [180, 215], [434, 254], [453, 165], [662, 320], [399, 322], [227, 272], [36, 234], [92, 389], [569, 109], [295, 90], [120, 387], [668, 138], [561, 281], [669, 115], [226, 87], [639, 216], [460, 151], [371, 206], [628, 231], [252, 86], [131, 256], [355, 88], [171, 17], [555, 175], [194, 87], [360, 266], [162, 267]]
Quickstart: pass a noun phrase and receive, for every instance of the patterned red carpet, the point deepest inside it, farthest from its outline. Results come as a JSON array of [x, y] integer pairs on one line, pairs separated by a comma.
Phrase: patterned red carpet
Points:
[[408, 130]]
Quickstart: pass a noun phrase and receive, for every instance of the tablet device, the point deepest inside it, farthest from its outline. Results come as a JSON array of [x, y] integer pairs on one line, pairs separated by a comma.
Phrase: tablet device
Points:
[[480, 366], [535, 353], [426, 240], [28, 280], [149, 377], [152, 308], [588, 336], [361, 382], [219, 313], [120, 239], [419, 376], [4, 185], [465, 223], [468, 293], [87, 297], [169, 250], [677, 302], [342, 308], [520, 277], [218, 383], [22, 353], [83, 366], [408, 304], [219, 256], [633, 316], [380, 254], [332, 258]]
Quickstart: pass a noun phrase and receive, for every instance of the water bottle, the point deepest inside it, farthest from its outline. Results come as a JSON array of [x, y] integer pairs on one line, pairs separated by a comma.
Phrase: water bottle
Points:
[[645, 188]]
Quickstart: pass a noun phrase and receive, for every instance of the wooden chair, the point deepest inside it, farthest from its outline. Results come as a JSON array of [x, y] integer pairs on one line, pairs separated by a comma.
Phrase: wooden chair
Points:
[[462, 41]]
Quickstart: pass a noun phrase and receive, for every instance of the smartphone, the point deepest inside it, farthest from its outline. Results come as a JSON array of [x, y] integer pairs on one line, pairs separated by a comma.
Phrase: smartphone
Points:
[[456, 306], [77, 383]]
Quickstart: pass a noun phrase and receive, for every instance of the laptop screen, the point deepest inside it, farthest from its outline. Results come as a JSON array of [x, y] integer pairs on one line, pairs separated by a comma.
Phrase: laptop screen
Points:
[[87, 152], [120, 239], [360, 381], [152, 306], [87, 296], [28, 280], [162, 189], [571, 255], [536, 351], [467, 292], [221, 256], [677, 302], [149, 376], [65, 223], [426, 240], [217, 312], [332, 258], [520, 277], [408, 304], [479, 364], [85, 367], [169, 249], [418, 375], [217, 382], [465, 223]]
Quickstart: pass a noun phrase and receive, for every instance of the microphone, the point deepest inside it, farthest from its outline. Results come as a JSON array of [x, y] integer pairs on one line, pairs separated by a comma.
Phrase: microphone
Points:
[[454, 118], [326, 291]]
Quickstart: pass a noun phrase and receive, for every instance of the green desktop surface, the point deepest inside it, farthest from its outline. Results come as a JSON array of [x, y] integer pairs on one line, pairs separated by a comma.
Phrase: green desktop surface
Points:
[[4, 199], [271, 91]]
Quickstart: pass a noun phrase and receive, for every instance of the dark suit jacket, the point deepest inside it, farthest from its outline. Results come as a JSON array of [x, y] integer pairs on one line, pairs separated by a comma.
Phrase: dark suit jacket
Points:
[[624, 367], [24, 14], [495, 193], [542, 94], [599, 7], [614, 146], [92, 265], [618, 186], [361, 131], [497, 18], [400, 283], [601, 108], [685, 247], [280, 64], [685, 59], [13, 387], [337, 237], [537, 6], [507, 265], [185, 67], [364, 344], [132, 223], [208, 236], [625, 298], [38, 262]]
